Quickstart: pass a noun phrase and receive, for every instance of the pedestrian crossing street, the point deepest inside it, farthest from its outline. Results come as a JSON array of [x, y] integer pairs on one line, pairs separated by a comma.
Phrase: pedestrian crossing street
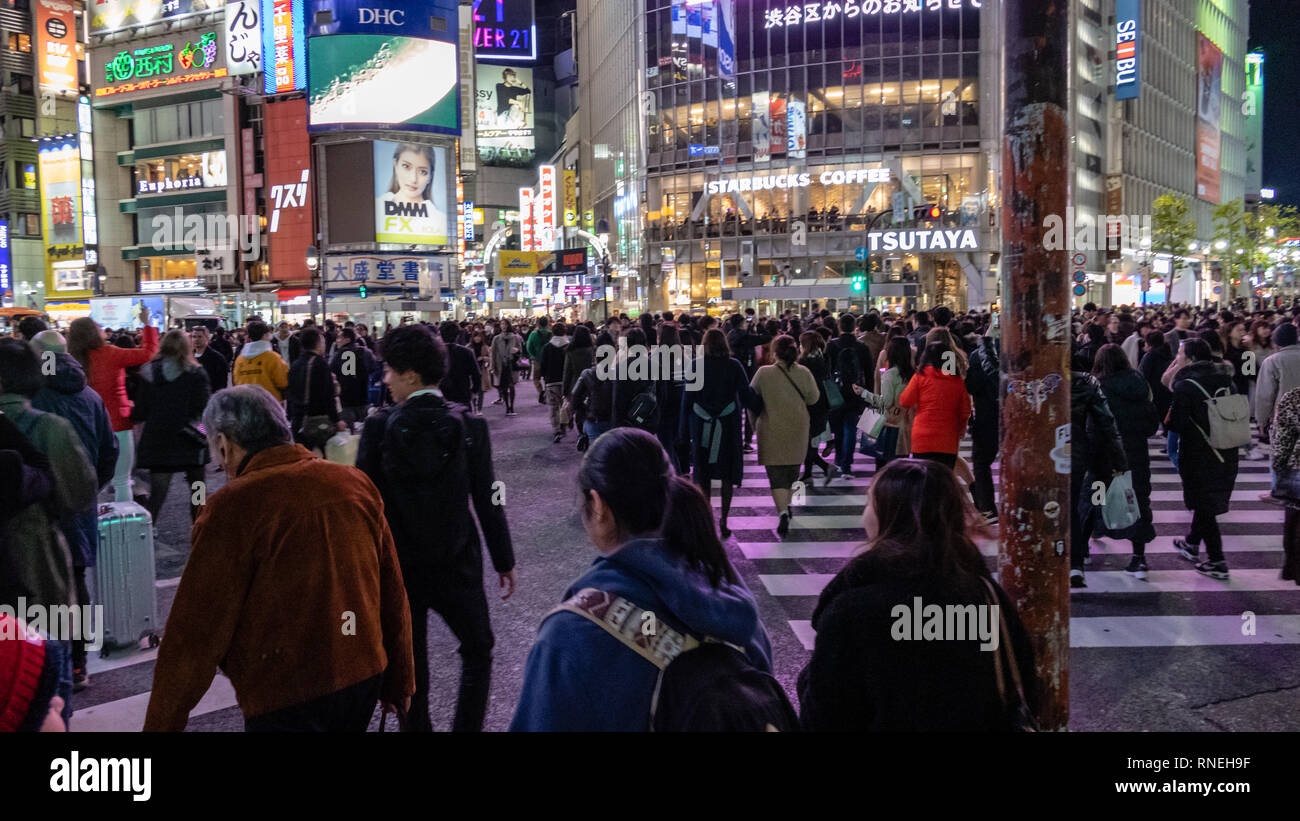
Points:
[[1174, 607]]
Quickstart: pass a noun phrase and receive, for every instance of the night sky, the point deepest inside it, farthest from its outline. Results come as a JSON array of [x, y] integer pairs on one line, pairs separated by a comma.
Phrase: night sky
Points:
[[1275, 30]]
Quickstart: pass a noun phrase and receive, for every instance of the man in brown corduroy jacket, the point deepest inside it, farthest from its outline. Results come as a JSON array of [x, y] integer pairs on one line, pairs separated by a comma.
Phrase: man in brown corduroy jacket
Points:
[[292, 589]]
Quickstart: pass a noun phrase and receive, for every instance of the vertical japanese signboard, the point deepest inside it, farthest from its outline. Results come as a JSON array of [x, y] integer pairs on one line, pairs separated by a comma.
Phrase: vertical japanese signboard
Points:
[[546, 208], [56, 45], [244, 36], [527, 240]]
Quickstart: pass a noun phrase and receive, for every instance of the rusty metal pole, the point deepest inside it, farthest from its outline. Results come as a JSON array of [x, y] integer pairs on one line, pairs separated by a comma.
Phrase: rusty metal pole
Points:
[[1034, 555]]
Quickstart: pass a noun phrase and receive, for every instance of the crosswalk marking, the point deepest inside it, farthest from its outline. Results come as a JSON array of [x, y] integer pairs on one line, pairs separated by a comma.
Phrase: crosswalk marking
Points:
[[1163, 545], [1107, 581], [860, 499], [127, 714]]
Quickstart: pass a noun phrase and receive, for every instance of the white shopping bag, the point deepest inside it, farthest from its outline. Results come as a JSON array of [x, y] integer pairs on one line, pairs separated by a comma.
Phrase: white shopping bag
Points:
[[342, 448]]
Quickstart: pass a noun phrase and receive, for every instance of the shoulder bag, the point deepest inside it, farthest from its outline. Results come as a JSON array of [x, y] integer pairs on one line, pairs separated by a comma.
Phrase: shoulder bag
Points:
[[315, 429]]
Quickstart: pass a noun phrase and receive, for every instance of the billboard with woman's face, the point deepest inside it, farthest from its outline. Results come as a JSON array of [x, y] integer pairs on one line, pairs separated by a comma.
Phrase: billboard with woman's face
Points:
[[411, 194]]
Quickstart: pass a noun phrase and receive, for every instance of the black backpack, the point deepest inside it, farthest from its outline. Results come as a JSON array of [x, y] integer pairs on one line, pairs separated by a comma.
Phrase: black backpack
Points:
[[642, 407], [703, 685]]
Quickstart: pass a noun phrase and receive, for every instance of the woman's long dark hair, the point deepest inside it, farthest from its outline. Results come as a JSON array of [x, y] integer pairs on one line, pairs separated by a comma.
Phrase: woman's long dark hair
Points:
[[927, 524], [898, 353], [1110, 360], [581, 338], [690, 532], [631, 472]]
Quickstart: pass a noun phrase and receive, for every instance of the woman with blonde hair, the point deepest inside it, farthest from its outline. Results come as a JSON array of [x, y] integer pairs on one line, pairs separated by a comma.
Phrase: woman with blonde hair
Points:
[[105, 366], [171, 402]]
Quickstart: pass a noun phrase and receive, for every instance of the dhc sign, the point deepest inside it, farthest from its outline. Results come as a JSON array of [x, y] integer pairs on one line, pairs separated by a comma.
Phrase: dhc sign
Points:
[[1127, 78]]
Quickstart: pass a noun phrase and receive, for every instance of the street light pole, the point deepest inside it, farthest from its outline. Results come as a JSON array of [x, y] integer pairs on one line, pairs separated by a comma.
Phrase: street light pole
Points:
[[1034, 556]]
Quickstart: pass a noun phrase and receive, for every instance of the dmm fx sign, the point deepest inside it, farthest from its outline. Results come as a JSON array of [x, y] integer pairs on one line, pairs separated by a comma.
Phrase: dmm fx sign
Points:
[[924, 240], [767, 182]]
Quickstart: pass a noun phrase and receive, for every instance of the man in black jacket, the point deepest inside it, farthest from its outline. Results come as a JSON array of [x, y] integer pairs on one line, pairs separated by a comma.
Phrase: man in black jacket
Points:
[[214, 364], [352, 364], [430, 458], [983, 383], [463, 382], [1096, 454], [742, 342], [852, 364]]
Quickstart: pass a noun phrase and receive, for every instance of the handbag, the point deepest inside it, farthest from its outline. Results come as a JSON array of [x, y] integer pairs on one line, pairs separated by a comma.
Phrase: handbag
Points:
[[1019, 717], [1121, 509], [834, 398], [566, 411], [314, 430], [871, 422]]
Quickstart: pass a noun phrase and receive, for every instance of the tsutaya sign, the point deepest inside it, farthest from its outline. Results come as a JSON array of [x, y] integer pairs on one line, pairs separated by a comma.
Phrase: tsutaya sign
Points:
[[770, 181], [937, 239], [801, 14]]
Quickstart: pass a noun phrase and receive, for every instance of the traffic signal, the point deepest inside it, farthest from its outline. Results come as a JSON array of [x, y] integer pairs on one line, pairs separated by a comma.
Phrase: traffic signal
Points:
[[928, 212], [362, 289], [859, 283]]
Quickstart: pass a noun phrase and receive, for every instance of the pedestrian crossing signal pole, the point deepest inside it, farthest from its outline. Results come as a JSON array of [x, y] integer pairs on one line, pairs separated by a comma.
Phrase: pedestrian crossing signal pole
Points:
[[1034, 554]]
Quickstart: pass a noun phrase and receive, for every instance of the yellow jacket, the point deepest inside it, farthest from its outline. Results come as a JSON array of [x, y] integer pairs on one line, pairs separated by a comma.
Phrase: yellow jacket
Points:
[[258, 364]]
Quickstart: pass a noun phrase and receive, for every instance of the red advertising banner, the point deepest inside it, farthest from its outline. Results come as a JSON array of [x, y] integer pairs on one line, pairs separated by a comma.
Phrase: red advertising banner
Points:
[[526, 216], [1209, 101], [56, 45], [290, 216]]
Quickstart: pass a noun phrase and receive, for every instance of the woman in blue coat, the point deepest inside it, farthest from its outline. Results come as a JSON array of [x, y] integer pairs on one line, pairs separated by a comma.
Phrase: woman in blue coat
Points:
[[654, 535]]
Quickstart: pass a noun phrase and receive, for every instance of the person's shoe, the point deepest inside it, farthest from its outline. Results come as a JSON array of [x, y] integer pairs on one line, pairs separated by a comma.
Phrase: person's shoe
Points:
[[80, 679], [1215, 570], [783, 525], [806, 475], [583, 442], [847, 473], [749, 448], [541, 399], [1256, 454], [510, 414], [1137, 568], [832, 473], [1076, 579], [724, 530], [497, 401], [557, 438], [1190, 552]]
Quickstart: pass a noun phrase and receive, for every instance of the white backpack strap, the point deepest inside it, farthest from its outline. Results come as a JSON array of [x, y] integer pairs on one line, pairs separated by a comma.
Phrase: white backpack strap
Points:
[[624, 621]]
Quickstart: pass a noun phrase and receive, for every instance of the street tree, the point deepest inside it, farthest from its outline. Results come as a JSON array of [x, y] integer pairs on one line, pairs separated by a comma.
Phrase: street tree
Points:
[[1172, 229]]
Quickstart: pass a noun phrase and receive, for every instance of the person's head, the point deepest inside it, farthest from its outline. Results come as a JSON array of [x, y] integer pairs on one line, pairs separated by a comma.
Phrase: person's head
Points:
[[311, 340], [689, 532], [920, 522], [869, 323], [581, 338], [1197, 350], [623, 481], [1096, 334], [898, 353], [1109, 361], [413, 171], [785, 349], [847, 323], [922, 318], [1261, 333], [449, 331], [1232, 333], [1155, 340], [414, 359], [84, 336], [20, 368], [811, 342], [544, 322], [508, 76], [199, 338], [30, 326], [1212, 339], [1182, 319], [331, 326], [29, 680], [504, 327], [257, 330], [942, 315], [50, 341], [243, 421], [559, 329], [715, 344], [668, 334], [347, 336], [736, 320], [635, 337], [1112, 324], [175, 346], [1285, 335]]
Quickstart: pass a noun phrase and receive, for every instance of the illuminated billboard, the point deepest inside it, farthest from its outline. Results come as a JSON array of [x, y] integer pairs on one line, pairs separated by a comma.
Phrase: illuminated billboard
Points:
[[504, 30], [1209, 136], [56, 45], [503, 116], [111, 15], [283, 50], [411, 194], [159, 63], [383, 81]]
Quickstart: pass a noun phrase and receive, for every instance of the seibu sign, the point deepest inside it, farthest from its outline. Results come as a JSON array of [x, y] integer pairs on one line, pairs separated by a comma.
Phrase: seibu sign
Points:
[[769, 182], [937, 239]]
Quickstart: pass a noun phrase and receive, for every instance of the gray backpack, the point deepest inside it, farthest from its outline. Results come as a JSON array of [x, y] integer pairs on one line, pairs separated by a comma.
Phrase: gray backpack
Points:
[[1229, 418]]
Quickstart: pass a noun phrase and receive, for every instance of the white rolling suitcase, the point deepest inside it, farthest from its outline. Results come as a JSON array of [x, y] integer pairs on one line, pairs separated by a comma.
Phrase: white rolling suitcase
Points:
[[125, 576]]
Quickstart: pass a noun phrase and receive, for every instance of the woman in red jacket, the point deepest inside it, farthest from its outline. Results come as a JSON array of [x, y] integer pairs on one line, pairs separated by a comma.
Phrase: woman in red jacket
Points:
[[938, 392], [105, 367]]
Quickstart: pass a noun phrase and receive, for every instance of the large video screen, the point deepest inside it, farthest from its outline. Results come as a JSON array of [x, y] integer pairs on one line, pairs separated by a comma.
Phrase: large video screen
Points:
[[382, 81], [411, 194], [503, 115]]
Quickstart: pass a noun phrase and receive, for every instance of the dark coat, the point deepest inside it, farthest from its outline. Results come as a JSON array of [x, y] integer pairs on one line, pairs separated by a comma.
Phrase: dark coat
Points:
[[1208, 481], [861, 678], [1095, 446], [66, 394], [1153, 366], [723, 383], [216, 366], [817, 412], [354, 381], [431, 460], [576, 360], [594, 397], [1129, 398], [983, 383], [320, 400], [851, 364], [166, 408], [742, 342], [463, 378]]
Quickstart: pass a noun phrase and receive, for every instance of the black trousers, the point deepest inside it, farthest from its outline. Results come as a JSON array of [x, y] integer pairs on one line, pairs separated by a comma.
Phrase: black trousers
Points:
[[459, 599], [344, 711], [982, 491], [949, 459]]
